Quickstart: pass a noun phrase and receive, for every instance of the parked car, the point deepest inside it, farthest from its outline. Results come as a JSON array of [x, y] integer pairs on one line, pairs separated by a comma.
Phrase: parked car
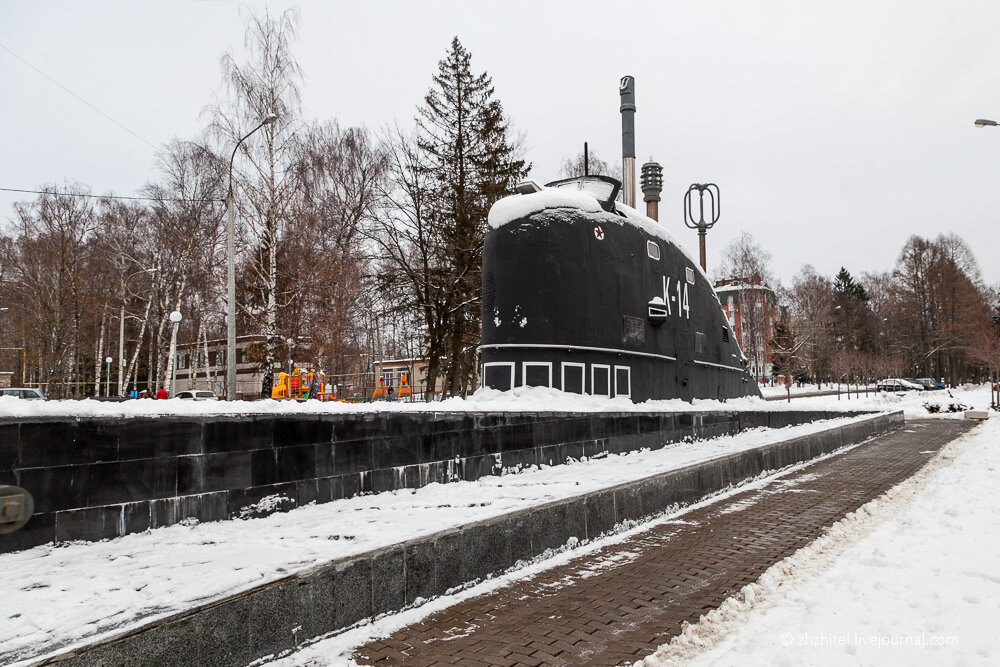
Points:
[[930, 384], [897, 384], [23, 392], [196, 395]]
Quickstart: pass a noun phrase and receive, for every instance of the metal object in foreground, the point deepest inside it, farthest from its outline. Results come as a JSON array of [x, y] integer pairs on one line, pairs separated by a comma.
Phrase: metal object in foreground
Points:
[[16, 507], [701, 224]]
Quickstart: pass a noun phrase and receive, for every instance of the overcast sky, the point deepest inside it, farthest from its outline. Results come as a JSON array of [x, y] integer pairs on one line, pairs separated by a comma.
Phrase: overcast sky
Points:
[[834, 130]]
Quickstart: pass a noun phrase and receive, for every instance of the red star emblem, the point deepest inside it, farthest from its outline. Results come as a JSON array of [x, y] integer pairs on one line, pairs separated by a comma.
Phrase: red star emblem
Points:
[[599, 233]]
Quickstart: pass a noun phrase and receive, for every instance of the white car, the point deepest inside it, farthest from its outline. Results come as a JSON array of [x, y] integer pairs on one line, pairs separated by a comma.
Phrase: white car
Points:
[[23, 392], [196, 395]]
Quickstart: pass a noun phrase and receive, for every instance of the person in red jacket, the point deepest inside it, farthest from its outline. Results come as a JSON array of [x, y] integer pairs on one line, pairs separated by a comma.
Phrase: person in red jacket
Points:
[[161, 393]]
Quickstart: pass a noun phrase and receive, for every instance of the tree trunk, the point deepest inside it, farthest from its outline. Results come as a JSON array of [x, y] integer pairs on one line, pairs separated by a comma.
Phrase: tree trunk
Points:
[[271, 315]]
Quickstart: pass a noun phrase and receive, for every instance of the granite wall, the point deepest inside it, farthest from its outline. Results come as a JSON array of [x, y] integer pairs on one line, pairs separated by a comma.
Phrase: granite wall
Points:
[[97, 478], [279, 616]]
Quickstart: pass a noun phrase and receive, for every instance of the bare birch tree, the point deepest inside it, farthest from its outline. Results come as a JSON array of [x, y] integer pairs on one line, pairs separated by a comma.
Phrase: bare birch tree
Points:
[[340, 174], [264, 185], [184, 225], [47, 279]]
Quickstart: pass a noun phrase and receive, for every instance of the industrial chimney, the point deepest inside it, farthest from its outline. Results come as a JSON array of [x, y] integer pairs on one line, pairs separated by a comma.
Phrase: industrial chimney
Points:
[[651, 181], [627, 90]]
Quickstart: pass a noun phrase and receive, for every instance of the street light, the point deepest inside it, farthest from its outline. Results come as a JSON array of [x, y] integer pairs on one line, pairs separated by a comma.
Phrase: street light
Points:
[[982, 122], [231, 270], [175, 317], [107, 383]]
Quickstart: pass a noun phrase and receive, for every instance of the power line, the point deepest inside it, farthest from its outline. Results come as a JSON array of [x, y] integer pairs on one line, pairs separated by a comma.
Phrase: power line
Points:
[[134, 134], [93, 196], [165, 113]]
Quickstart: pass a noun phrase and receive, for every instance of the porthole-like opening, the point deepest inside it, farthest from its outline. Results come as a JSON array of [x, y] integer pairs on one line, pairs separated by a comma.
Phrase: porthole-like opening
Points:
[[652, 250]]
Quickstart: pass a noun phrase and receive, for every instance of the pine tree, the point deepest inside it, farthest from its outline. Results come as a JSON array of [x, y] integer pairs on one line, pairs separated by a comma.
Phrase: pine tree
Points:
[[471, 163], [848, 287], [854, 322]]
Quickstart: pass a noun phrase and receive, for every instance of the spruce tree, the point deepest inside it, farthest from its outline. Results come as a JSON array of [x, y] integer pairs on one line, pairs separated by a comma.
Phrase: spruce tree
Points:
[[847, 286], [471, 163], [854, 325]]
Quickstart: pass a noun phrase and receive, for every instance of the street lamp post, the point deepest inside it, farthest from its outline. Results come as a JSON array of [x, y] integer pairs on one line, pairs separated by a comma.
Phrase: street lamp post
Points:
[[982, 122], [107, 383], [175, 317], [231, 270]]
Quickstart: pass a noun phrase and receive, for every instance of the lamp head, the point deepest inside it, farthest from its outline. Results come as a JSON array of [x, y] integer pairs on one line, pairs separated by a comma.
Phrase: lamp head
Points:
[[269, 119], [982, 122]]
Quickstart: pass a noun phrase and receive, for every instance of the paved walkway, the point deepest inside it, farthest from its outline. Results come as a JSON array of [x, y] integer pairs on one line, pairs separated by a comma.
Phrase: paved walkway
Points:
[[618, 604]]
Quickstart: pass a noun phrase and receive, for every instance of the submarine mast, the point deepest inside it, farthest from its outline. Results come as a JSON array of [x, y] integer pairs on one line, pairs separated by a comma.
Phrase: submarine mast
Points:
[[627, 91]]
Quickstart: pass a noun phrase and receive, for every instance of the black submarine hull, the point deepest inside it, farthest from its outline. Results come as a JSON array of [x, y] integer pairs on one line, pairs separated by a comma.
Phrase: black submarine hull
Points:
[[589, 302]]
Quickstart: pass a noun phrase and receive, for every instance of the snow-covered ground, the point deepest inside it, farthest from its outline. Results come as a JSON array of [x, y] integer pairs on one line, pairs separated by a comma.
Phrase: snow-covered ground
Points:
[[337, 650], [522, 399], [80, 591], [910, 578]]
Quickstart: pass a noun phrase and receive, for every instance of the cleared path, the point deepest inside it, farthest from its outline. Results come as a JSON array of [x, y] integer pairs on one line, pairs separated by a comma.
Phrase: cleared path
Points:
[[618, 604]]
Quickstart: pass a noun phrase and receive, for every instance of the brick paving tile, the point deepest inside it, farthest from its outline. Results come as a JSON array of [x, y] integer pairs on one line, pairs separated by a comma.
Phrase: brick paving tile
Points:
[[524, 659], [559, 646], [502, 660], [675, 571]]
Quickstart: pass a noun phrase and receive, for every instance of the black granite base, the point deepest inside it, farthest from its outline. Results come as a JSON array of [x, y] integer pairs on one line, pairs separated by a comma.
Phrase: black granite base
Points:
[[279, 616], [98, 478]]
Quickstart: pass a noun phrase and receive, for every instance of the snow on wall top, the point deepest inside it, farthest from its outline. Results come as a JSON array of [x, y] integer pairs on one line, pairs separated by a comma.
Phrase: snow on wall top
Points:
[[517, 207]]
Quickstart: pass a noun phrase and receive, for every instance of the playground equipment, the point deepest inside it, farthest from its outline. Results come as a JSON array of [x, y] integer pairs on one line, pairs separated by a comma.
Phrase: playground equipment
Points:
[[384, 389], [301, 385]]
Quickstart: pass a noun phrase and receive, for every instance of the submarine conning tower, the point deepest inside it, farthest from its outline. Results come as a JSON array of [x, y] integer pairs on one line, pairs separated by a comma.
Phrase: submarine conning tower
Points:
[[585, 294]]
